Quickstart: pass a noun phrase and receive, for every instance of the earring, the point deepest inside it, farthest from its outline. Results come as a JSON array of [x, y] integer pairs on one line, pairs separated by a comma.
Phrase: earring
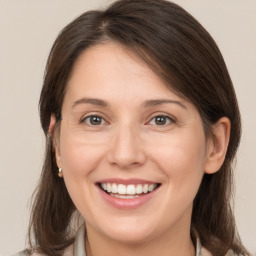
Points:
[[60, 174]]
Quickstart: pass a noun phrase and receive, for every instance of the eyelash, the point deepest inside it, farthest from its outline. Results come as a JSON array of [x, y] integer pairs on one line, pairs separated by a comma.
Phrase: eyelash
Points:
[[167, 120], [83, 120]]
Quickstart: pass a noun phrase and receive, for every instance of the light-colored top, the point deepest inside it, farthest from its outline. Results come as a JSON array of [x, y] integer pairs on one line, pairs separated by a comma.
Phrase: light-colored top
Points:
[[78, 249]]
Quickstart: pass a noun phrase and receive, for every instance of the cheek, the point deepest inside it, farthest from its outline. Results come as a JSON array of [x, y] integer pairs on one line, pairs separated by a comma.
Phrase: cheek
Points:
[[79, 162], [77, 159], [181, 157]]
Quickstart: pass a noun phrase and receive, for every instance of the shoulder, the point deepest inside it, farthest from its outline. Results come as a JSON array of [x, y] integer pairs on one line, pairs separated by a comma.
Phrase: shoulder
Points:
[[77, 248], [68, 252], [23, 253]]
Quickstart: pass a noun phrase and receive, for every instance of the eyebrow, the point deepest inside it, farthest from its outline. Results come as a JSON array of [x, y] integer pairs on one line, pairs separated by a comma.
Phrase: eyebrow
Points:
[[147, 103], [150, 103], [92, 101]]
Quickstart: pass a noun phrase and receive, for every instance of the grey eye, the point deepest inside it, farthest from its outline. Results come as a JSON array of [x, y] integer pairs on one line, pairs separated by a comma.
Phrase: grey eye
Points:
[[94, 120]]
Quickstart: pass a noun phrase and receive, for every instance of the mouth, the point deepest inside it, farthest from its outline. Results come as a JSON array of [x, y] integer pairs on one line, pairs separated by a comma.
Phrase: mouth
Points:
[[129, 191]]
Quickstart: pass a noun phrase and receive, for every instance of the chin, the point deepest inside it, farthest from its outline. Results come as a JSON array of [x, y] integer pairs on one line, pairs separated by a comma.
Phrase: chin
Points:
[[130, 237], [130, 231]]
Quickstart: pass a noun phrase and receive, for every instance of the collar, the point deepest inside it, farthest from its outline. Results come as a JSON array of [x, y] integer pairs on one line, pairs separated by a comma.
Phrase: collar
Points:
[[79, 249]]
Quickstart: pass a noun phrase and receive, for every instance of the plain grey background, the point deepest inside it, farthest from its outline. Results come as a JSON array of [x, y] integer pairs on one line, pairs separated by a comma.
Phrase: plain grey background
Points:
[[27, 31]]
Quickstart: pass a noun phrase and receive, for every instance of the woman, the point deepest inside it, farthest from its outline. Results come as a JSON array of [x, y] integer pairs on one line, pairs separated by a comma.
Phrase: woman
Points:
[[142, 126]]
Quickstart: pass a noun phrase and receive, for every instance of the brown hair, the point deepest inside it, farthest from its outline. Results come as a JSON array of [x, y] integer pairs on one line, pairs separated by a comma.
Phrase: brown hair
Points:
[[175, 46]]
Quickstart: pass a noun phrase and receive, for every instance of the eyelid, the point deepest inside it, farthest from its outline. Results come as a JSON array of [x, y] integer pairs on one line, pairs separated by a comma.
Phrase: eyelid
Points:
[[105, 118], [168, 121], [91, 114], [156, 114], [87, 118]]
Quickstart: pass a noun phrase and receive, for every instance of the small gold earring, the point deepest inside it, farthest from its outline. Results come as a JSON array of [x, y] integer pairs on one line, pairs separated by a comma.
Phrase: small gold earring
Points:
[[60, 174]]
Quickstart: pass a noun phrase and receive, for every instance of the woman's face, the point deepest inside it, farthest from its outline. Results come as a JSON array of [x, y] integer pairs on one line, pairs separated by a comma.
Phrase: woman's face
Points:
[[132, 152]]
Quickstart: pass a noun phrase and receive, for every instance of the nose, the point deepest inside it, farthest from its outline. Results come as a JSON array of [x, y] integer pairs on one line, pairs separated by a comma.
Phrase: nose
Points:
[[126, 149]]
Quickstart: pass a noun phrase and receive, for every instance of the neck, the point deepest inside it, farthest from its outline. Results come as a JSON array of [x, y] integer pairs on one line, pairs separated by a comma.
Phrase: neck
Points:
[[178, 243]]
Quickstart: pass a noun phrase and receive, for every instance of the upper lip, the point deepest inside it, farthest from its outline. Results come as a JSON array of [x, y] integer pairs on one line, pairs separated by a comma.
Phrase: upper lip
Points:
[[127, 181]]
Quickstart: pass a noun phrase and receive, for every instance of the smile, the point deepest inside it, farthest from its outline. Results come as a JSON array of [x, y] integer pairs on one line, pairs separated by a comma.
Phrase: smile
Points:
[[128, 191]]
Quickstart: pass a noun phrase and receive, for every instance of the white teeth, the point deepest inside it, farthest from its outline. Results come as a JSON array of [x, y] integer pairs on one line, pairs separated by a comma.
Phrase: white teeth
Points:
[[121, 189], [114, 188], [109, 188], [130, 190], [139, 189], [124, 196], [152, 187], [145, 188]]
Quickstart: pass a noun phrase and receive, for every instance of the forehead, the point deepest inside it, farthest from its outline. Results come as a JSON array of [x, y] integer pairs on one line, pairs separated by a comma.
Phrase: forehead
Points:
[[114, 69]]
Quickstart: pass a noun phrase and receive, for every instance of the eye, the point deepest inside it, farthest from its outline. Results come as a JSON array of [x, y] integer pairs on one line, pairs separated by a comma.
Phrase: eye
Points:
[[161, 120], [93, 120]]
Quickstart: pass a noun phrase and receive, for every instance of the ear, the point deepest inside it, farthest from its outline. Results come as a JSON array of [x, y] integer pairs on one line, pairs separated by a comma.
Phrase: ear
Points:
[[217, 145], [55, 137], [52, 124]]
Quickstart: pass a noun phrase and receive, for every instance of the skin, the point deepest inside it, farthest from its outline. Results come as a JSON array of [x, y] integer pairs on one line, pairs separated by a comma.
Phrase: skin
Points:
[[129, 143]]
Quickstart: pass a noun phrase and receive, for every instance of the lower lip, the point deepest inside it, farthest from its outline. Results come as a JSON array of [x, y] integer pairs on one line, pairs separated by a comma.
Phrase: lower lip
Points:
[[127, 204]]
